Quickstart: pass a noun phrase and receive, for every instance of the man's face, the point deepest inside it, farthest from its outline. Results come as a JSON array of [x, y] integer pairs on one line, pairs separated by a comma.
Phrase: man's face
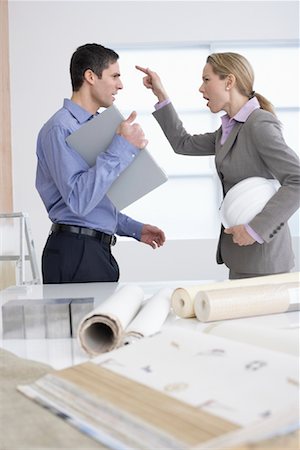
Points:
[[105, 88]]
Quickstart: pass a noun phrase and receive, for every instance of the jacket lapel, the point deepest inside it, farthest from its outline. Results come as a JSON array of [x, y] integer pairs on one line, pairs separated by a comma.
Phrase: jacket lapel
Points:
[[222, 150]]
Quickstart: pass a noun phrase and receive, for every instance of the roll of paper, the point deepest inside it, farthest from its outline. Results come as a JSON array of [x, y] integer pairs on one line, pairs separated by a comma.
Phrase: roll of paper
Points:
[[150, 318], [182, 300], [102, 329], [247, 301]]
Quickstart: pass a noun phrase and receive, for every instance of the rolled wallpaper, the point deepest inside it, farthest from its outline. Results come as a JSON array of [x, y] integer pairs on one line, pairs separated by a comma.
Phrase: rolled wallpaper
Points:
[[102, 329], [182, 300], [231, 303], [150, 318]]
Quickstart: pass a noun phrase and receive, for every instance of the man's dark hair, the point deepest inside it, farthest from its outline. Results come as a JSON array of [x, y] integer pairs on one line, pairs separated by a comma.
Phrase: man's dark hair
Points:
[[90, 56]]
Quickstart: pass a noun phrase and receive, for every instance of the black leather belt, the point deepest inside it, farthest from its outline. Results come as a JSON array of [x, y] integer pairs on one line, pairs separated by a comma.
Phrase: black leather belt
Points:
[[109, 239]]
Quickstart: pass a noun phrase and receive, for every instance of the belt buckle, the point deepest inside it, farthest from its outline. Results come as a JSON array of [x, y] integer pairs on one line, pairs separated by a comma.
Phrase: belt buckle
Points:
[[113, 240]]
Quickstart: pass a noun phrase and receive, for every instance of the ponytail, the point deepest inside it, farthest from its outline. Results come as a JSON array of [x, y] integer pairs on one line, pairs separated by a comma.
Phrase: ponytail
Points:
[[265, 104]]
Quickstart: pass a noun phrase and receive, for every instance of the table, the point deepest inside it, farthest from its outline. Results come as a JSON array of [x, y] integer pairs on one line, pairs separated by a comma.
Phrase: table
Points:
[[61, 353]]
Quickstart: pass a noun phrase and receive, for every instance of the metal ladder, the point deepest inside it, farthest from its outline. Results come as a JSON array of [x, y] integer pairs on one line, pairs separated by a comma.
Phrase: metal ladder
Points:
[[22, 257]]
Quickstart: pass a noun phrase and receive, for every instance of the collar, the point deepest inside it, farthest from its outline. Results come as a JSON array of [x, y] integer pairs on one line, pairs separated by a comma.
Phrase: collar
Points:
[[243, 114], [80, 114]]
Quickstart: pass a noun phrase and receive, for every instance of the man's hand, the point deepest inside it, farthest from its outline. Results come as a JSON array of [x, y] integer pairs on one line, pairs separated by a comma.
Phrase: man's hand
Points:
[[152, 236], [239, 235], [132, 132], [152, 81]]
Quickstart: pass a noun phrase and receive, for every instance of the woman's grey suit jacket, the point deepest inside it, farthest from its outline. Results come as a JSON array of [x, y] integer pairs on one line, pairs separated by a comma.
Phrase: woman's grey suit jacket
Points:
[[254, 148]]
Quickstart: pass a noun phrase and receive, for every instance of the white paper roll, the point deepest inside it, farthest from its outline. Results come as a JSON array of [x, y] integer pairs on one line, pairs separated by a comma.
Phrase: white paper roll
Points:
[[102, 329], [237, 302], [182, 300], [150, 318]]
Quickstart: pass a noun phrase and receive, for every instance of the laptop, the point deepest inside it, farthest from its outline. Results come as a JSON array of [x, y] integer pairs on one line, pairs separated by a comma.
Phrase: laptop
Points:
[[138, 179]]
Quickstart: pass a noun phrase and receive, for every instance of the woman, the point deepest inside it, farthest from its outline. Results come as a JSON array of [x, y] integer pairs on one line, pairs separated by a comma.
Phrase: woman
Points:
[[249, 143]]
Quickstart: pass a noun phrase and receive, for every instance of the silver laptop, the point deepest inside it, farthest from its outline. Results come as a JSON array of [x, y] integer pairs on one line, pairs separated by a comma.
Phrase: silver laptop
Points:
[[138, 179]]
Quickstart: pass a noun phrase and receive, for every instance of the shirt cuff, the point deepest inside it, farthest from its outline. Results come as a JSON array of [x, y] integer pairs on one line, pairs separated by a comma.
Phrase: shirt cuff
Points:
[[120, 145], [159, 105], [253, 234], [129, 227]]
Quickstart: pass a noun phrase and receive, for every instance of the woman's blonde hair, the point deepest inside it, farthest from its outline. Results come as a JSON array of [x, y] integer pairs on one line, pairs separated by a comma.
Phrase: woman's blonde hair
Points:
[[227, 63]]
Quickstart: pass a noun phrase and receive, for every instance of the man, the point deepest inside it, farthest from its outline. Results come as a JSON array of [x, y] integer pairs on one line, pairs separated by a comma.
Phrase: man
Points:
[[78, 248]]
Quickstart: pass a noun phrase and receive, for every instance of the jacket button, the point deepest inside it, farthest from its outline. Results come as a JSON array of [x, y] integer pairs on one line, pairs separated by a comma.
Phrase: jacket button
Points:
[[270, 235], [281, 224]]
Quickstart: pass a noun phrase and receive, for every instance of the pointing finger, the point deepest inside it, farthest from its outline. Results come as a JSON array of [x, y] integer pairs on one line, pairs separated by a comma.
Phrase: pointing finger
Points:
[[142, 69]]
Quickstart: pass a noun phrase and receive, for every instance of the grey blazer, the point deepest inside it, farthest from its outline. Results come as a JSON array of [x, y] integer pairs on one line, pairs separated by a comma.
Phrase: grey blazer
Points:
[[253, 148]]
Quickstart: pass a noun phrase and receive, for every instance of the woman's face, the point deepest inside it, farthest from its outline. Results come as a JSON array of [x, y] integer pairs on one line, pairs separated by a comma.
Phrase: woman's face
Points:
[[214, 90]]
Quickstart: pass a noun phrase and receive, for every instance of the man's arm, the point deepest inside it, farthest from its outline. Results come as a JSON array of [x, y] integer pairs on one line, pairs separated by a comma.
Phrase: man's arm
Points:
[[148, 234], [62, 172]]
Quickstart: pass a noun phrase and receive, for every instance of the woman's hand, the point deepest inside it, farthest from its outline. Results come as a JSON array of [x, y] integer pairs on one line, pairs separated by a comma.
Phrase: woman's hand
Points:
[[240, 235], [153, 82]]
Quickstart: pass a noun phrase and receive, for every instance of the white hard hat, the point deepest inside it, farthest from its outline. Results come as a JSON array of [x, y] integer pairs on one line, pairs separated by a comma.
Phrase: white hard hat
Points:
[[246, 199]]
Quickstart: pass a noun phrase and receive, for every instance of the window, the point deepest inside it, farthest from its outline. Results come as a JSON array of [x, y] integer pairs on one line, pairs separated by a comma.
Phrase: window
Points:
[[187, 205]]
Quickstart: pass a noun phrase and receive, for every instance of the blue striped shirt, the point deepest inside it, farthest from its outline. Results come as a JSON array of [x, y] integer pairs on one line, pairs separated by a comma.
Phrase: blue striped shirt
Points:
[[72, 192]]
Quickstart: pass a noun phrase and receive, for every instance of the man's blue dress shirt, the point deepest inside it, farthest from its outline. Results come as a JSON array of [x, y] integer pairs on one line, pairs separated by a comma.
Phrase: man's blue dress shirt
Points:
[[72, 192]]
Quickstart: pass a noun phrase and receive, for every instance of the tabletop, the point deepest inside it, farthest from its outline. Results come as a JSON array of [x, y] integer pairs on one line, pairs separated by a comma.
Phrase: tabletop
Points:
[[61, 353]]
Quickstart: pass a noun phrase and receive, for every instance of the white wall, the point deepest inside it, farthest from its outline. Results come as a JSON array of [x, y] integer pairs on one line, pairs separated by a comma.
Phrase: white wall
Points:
[[190, 259], [44, 34]]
